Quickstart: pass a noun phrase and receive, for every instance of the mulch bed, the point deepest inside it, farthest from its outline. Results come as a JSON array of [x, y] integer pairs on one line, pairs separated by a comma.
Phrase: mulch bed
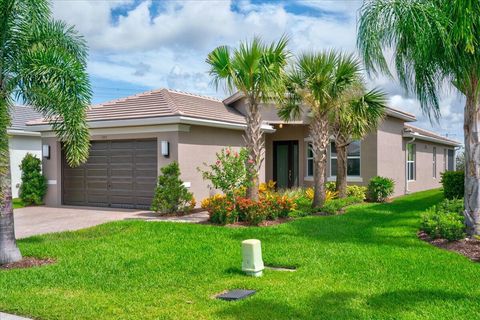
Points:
[[266, 223], [27, 262], [469, 247]]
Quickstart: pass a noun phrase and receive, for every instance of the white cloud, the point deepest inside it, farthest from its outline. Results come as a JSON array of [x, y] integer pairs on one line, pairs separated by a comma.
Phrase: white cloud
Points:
[[164, 44]]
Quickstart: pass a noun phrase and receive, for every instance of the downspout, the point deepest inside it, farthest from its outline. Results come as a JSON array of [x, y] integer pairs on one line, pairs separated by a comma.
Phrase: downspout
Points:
[[406, 164]]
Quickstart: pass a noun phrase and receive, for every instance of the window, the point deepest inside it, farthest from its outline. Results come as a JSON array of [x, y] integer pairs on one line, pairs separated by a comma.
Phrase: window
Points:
[[309, 160], [451, 162], [435, 162], [444, 159], [353, 159], [411, 168]]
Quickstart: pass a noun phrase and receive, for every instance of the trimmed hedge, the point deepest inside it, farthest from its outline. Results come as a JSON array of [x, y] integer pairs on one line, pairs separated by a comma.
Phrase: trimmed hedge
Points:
[[453, 184]]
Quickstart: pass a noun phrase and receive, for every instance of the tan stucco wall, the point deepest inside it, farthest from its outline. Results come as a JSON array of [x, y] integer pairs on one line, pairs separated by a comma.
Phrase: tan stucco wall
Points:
[[52, 167], [391, 153], [392, 158], [424, 162], [200, 146]]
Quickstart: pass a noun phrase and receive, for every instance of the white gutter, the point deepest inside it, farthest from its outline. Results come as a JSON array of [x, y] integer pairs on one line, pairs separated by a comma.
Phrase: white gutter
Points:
[[16, 132], [158, 121], [431, 139]]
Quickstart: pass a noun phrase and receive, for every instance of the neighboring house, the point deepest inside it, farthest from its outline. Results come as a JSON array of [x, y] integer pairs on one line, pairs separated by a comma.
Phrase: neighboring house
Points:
[[133, 137], [22, 141]]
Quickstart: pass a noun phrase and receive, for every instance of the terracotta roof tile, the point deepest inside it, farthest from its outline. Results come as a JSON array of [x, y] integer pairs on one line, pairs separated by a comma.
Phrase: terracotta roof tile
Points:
[[162, 103]]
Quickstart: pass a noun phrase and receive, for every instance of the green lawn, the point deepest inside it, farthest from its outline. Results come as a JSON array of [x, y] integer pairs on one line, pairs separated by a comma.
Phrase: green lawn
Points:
[[365, 264], [18, 203]]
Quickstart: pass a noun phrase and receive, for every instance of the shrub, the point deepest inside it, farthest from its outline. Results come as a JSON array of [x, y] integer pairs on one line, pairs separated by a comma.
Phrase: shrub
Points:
[[352, 190], [336, 205], [357, 192], [229, 173], [380, 188], [220, 209], [252, 212], [445, 220], [34, 185], [170, 194], [331, 186], [453, 184]]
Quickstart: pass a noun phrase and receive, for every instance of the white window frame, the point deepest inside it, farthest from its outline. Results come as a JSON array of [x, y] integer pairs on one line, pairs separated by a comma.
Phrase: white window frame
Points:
[[434, 162], [308, 147], [414, 171], [356, 178]]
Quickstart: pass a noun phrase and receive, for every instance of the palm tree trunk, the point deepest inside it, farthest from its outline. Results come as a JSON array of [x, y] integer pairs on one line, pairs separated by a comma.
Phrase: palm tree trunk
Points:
[[319, 133], [254, 143], [341, 183], [9, 251], [472, 160]]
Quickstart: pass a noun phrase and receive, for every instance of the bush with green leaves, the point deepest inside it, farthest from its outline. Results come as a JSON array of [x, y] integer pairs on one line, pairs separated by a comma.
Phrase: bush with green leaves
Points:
[[34, 184], [230, 172], [171, 196], [352, 190], [335, 206], [445, 220], [380, 188], [453, 184]]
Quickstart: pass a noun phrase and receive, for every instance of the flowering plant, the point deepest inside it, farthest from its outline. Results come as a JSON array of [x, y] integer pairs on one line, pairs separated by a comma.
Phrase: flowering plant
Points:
[[230, 171]]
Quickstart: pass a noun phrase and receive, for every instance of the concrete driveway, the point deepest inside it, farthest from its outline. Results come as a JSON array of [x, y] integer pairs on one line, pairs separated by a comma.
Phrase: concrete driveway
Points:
[[32, 221]]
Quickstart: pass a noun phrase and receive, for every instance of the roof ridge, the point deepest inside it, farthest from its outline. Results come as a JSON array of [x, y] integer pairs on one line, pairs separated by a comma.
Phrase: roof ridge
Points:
[[126, 98], [194, 95], [171, 102]]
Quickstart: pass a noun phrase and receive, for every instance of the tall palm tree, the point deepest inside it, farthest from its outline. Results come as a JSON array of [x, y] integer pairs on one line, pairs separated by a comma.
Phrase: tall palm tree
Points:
[[256, 70], [316, 86], [358, 114], [42, 63], [434, 42]]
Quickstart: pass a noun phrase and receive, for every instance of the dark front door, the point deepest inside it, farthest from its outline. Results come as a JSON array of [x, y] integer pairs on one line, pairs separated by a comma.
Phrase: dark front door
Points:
[[285, 164], [118, 173]]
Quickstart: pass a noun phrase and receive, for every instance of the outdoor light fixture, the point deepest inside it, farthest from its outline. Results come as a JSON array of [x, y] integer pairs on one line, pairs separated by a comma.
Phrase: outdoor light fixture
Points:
[[252, 263], [165, 148], [46, 151]]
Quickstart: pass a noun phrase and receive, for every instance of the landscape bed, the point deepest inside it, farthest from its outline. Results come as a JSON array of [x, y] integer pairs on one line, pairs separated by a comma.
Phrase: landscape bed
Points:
[[367, 264]]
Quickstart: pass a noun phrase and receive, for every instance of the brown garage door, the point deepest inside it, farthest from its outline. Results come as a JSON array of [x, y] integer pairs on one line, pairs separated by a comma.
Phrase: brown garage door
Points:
[[118, 173]]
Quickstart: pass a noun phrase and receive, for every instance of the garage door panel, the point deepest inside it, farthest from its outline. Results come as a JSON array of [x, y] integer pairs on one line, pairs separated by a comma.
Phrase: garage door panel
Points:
[[118, 173]]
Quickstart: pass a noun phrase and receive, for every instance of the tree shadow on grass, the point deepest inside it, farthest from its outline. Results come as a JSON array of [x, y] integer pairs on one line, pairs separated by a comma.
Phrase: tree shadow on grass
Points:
[[393, 224], [341, 305]]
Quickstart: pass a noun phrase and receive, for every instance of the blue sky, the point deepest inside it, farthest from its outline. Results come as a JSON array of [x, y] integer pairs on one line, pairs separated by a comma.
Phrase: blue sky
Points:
[[138, 45]]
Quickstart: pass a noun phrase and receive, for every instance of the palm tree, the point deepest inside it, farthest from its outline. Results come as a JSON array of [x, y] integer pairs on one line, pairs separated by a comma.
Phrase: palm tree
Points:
[[316, 86], [42, 63], [256, 70], [358, 114], [434, 42]]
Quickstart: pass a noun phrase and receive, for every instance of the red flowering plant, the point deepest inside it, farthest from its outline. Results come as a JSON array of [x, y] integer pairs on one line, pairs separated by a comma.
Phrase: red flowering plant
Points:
[[229, 173]]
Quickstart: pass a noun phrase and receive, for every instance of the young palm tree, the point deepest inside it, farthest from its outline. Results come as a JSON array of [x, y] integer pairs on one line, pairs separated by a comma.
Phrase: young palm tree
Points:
[[256, 70], [316, 86], [358, 114], [433, 42], [42, 63]]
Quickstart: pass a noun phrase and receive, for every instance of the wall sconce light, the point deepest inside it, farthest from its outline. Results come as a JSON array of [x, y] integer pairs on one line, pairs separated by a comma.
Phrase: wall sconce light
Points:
[[46, 151], [165, 148], [280, 125]]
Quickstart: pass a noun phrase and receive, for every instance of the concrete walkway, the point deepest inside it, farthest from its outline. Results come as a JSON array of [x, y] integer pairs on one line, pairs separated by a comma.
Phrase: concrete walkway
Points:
[[32, 221], [6, 316]]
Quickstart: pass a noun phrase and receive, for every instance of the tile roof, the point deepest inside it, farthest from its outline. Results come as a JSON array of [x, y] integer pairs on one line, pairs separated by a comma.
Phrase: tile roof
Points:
[[430, 134], [20, 115], [163, 103]]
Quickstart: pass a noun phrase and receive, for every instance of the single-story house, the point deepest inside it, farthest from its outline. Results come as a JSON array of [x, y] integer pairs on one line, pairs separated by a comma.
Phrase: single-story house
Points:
[[133, 137], [22, 141]]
